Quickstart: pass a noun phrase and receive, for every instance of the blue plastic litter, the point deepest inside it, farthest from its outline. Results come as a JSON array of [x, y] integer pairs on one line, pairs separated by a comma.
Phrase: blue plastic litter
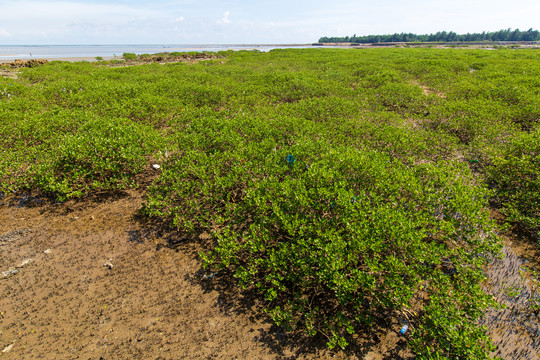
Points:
[[403, 329], [290, 159]]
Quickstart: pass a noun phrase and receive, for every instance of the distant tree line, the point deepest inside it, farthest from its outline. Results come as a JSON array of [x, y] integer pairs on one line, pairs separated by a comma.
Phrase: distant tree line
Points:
[[501, 35]]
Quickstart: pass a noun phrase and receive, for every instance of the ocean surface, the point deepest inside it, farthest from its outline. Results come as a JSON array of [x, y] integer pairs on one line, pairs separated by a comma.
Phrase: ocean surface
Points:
[[25, 52]]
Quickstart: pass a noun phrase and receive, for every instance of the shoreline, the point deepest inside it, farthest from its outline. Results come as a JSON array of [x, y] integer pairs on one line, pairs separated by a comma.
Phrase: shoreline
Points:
[[65, 58], [89, 52], [6, 59]]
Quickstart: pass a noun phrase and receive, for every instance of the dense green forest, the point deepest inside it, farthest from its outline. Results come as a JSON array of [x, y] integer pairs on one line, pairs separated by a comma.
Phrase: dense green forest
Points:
[[340, 186], [501, 35]]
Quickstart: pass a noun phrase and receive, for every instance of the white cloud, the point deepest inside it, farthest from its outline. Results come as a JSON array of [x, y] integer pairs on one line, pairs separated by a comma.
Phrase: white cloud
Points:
[[264, 21], [4, 34], [36, 22], [225, 18], [51, 11]]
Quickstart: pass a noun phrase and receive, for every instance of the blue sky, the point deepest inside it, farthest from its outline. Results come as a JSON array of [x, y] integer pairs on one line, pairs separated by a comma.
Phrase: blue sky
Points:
[[242, 21]]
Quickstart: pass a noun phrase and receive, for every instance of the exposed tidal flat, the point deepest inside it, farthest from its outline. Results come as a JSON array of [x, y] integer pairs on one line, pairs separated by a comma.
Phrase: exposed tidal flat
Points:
[[338, 193]]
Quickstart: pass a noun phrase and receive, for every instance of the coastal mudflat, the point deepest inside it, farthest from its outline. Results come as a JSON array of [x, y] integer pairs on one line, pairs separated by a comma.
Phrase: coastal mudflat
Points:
[[86, 279]]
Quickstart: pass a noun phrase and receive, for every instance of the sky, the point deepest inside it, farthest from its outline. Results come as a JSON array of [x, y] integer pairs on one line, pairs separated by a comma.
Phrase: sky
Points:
[[58, 22]]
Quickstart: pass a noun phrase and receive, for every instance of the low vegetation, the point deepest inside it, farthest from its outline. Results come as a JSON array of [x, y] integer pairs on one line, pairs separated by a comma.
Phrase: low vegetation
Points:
[[345, 187], [169, 56]]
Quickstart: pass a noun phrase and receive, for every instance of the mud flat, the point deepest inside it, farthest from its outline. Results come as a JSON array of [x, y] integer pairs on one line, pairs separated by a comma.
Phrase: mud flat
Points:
[[101, 284], [515, 327]]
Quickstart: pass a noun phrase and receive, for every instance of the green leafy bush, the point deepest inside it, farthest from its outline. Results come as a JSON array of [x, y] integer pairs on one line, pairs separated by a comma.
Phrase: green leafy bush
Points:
[[101, 155], [516, 179], [129, 56], [333, 237], [374, 213]]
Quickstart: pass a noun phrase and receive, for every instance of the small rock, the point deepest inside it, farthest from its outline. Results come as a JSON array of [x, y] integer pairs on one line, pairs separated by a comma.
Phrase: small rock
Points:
[[156, 166], [108, 264]]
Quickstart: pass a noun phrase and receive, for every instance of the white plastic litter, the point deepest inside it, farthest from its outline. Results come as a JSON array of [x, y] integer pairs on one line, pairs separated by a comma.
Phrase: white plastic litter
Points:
[[8, 348], [25, 262], [10, 272]]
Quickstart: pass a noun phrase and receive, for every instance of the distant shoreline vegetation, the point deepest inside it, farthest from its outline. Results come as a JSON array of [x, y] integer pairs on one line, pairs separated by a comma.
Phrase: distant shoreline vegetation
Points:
[[501, 35]]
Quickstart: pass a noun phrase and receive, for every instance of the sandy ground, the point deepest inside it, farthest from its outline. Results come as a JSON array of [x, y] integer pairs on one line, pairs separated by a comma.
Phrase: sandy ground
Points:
[[88, 280]]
